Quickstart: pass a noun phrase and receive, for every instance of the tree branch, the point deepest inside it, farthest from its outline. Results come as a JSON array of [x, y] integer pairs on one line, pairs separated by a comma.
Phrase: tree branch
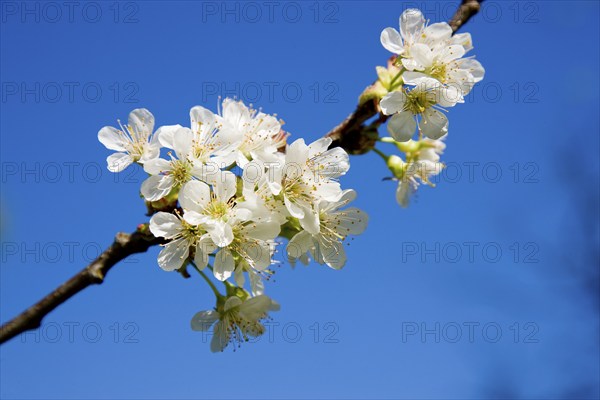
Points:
[[124, 245], [357, 138], [352, 135], [465, 11]]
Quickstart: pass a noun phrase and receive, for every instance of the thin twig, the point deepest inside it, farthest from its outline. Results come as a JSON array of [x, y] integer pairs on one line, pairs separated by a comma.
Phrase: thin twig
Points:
[[124, 245], [465, 11]]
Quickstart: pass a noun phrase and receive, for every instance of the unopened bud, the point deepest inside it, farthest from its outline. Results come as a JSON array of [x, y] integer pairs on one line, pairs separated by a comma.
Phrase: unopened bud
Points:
[[396, 165], [410, 146]]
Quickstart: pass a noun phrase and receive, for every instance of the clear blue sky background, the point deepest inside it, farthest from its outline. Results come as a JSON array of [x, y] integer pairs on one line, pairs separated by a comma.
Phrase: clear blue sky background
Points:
[[534, 119]]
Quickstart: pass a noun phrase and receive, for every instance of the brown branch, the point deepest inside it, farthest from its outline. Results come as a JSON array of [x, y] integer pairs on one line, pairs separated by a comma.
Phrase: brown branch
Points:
[[124, 245], [357, 138], [465, 11], [352, 135]]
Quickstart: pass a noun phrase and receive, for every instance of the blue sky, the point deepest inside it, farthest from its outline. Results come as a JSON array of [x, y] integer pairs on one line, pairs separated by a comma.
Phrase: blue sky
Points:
[[521, 191]]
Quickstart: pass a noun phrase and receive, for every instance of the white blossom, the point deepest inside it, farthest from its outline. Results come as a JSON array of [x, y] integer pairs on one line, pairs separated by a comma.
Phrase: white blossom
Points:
[[133, 142], [309, 175], [414, 31], [286, 190], [168, 175], [258, 135], [244, 242], [433, 51], [445, 65], [421, 102], [326, 246], [182, 237], [426, 163], [209, 145], [236, 320], [258, 196]]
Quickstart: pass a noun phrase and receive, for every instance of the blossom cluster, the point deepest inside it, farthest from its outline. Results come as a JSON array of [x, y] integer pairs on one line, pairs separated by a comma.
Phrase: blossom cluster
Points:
[[228, 187], [428, 73]]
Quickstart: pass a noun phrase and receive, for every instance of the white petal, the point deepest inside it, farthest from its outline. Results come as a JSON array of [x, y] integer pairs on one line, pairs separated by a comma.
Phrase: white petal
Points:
[[200, 257], [156, 187], [352, 221], [266, 125], [402, 126], [275, 306], [318, 147], [393, 103], [462, 80], [173, 255], [241, 160], [141, 121], [264, 230], [224, 265], [257, 285], [163, 224], [157, 166], [438, 32], [296, 156], [239, 278], [225, 187], [409, 77], [409, 64], [220, 232], [434, 124], [208, 172], [299, 244], [202, 121], [348, 196], [194, 218], [151, 150], [332, 163], [449, 95], [256, 307], [311, 222], [274, 187], [334, 254], [112, 139], [422, 54], [206, 244], [403, 192], [242, 213], [194, 196], [294, 209], [182, 142], [427, 168], [450, 53], [464, 39], [316, 252], [329, 190], [411, 23], [235, 113], [391, 41], [232, 302], [474, 67], [166, 135], [117, 162], [257, 254], [220, 337], [422, 81], [203, 320]]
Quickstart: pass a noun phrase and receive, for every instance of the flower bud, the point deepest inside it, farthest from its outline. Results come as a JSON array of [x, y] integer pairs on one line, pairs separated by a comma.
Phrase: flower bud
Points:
[[375, 91], [396, 165], [410, 146]]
